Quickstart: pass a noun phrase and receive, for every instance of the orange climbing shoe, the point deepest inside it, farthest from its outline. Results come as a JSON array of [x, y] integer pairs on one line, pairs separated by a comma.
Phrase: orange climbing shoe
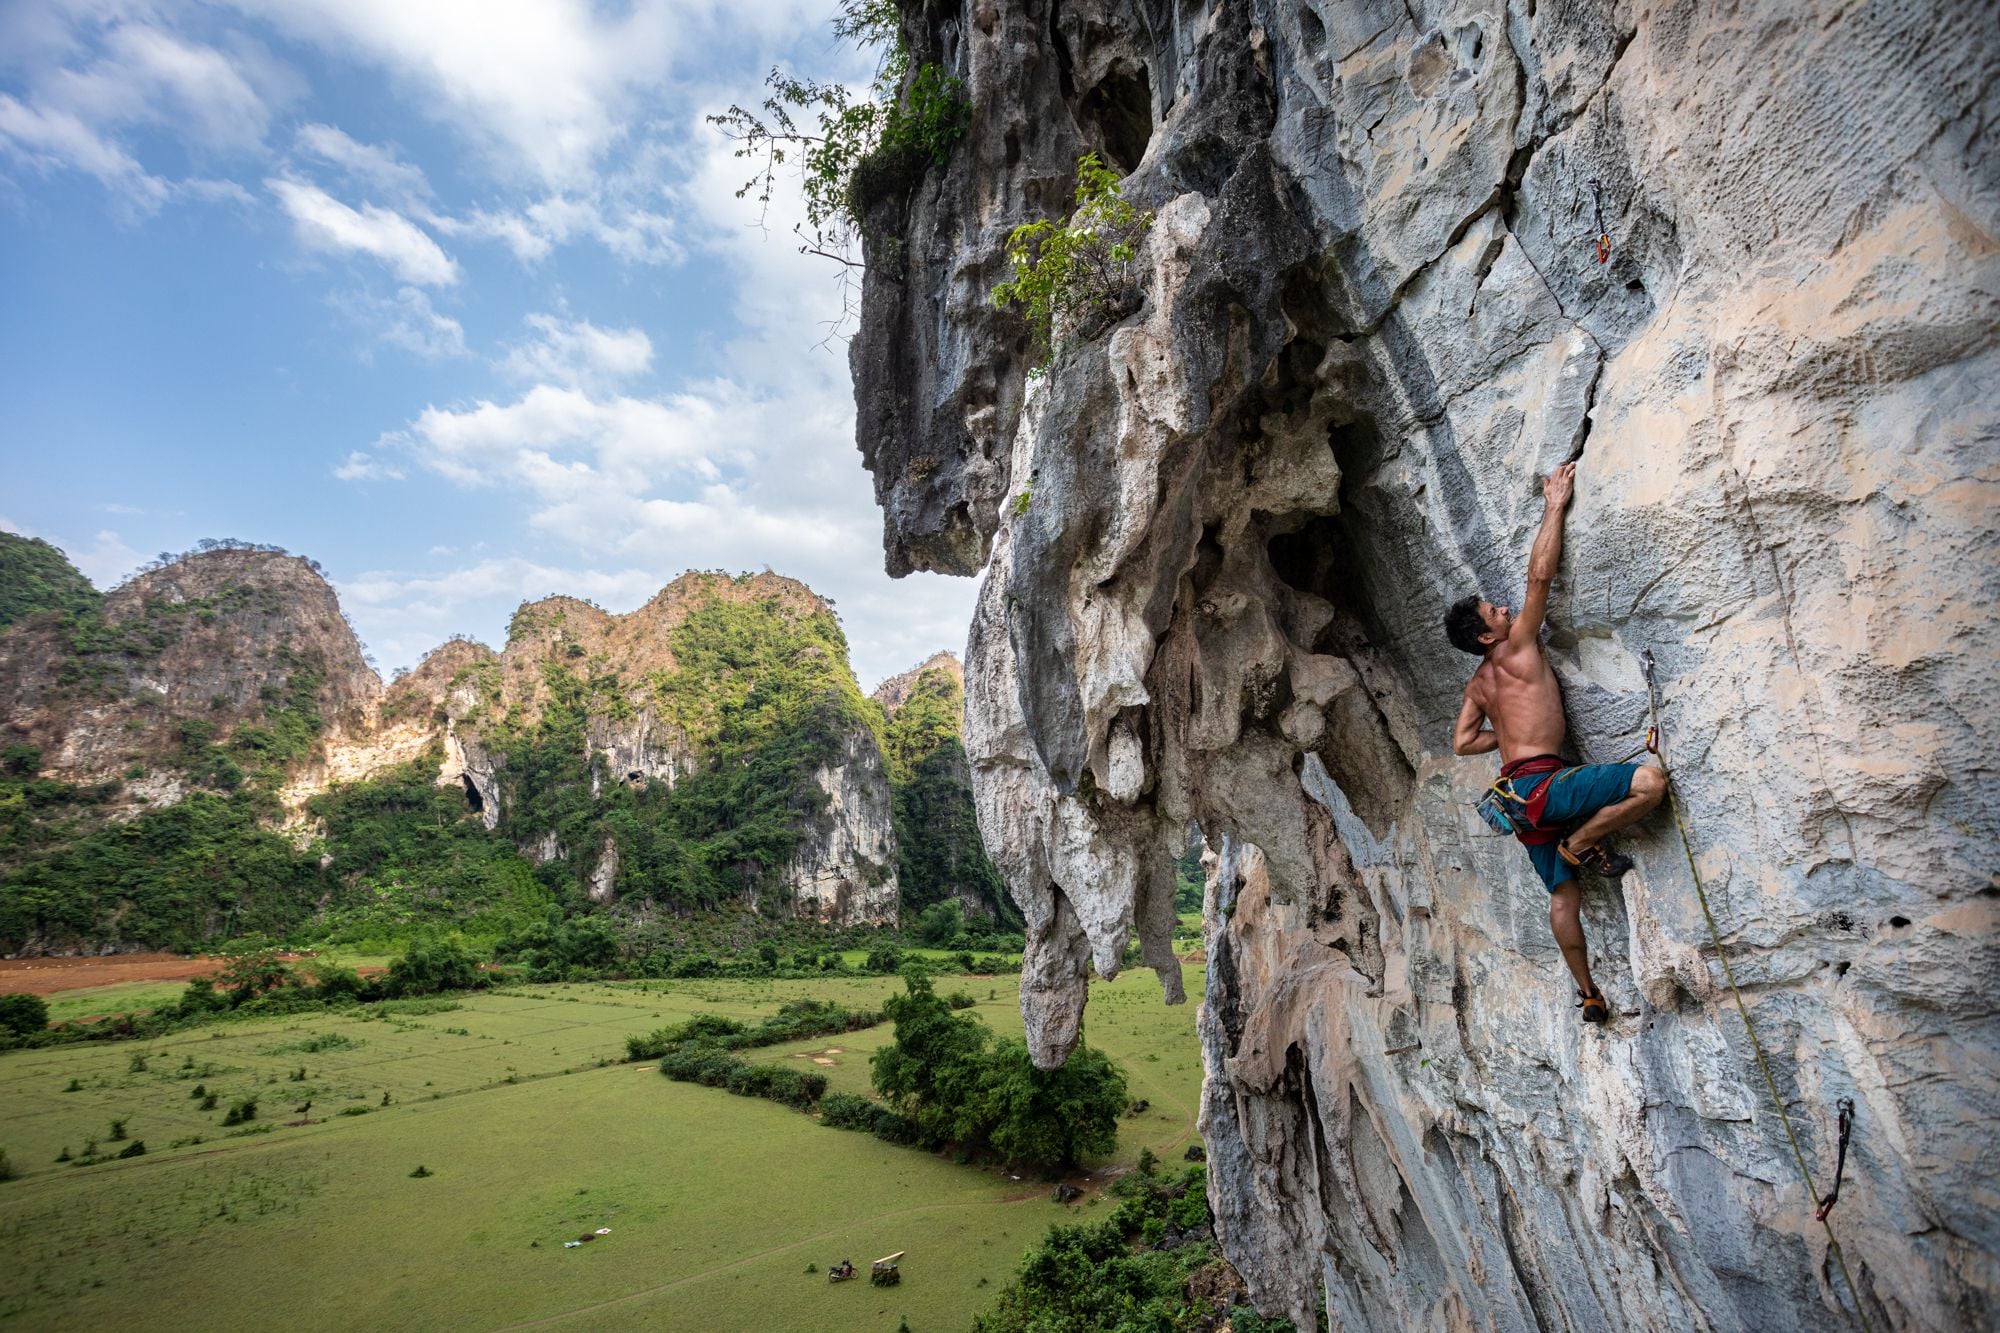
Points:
[[1599, 860], [1595, 1008]]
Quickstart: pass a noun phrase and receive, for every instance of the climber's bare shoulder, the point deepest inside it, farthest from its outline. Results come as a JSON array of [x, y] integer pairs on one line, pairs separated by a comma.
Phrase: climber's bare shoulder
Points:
[[1517, 691]]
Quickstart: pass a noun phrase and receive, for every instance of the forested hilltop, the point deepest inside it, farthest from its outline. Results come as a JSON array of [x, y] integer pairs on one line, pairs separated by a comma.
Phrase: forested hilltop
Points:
[[205, 753]]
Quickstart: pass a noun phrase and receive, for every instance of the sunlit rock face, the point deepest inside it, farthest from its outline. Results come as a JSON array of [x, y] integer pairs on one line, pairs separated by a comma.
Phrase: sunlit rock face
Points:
[[1219, 537], [844, 871]]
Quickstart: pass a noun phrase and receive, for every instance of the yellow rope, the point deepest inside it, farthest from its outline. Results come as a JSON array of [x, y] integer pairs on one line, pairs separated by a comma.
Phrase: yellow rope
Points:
[[1749, 1028]]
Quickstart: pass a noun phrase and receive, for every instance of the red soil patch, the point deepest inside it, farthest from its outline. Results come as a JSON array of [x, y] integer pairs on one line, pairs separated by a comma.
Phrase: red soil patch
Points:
[[46, 976]]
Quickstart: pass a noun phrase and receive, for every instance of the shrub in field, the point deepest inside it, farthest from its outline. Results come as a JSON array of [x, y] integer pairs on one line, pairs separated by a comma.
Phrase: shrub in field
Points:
[[7, 1167], [959, 999], [241, 1113], [954, 1083], [844, 1110], [333, 983], [798, 1018], [136, 1148], [201, 997], [429, 966], [796, 1088], [117, 1134], [23, 1014], [1051, 1117]]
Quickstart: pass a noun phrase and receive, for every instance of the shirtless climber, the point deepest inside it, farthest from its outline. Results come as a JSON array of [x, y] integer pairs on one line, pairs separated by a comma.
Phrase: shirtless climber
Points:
[[1562, 814]]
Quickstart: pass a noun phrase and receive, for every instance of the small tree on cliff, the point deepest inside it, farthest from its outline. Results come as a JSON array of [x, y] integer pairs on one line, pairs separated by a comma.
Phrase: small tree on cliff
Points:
[[1073, 276]]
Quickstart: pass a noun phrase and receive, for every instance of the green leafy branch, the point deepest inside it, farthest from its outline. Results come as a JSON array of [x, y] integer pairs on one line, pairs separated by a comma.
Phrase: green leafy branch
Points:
[[851, 150], [1073, 276]]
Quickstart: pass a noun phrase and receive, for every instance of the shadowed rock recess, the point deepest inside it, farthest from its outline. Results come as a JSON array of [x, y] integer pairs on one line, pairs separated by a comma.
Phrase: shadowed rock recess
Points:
[[1218, 539]]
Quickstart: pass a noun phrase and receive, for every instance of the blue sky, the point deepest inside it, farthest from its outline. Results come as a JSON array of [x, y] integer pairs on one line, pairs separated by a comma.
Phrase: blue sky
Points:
[[453, 296]]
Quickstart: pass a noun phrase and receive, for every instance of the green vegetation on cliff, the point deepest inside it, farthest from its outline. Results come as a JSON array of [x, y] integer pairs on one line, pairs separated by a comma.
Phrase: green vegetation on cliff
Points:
[[210, 866], [940, 854], [205, 868], [35, 576], [410, 856], [763, 696]]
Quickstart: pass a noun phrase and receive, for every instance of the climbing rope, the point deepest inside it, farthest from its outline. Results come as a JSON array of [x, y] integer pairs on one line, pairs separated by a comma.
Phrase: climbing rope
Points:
[[1750, 1028]]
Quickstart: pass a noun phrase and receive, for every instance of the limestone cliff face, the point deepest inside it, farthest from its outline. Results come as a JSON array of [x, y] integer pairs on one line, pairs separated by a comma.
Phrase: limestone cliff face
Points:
[[844, 870], [1220, 536], [233, 672], [581, 703], [219, 640]]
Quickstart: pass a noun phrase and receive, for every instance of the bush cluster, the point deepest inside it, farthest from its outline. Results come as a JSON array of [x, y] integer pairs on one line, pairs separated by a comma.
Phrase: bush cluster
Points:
[[714, 1067], [955, 1083], [844, 1110], [795, 1020], [702, 1050], [1130, 1271]]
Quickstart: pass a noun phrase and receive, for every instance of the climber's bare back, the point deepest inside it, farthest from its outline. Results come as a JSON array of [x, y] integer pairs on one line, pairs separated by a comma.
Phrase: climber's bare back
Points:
[[1516, 690]]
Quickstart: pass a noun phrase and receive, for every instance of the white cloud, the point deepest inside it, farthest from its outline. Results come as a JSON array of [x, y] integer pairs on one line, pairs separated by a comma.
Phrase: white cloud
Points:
[[363, 466], [558, 442], [406, 320], [104, 74], [324, 223], [579, 353], [368, 165], [609, 217], [542, 85], [52, 139], [146, 75]]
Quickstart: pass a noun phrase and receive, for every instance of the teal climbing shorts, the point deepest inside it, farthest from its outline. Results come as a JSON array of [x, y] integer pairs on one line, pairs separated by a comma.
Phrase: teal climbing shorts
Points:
[[1578, 794]]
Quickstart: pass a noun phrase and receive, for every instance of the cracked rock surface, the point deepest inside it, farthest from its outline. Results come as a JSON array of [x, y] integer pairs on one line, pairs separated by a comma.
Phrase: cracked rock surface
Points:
[[1219, 537]]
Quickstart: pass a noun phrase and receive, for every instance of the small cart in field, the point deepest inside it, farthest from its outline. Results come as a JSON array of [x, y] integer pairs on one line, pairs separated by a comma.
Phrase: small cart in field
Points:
[[887, 1271]]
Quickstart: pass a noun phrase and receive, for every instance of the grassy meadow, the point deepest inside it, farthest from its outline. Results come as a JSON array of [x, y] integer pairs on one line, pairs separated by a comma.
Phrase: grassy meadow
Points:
[[513, 1100]]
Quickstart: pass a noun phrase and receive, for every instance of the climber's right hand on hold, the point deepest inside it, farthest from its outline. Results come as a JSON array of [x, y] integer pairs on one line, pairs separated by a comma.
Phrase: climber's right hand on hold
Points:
[[1556, 487]]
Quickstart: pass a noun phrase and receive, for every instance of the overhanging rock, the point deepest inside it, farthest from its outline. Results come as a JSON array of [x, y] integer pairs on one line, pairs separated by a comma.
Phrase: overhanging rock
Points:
[[1220, 535]]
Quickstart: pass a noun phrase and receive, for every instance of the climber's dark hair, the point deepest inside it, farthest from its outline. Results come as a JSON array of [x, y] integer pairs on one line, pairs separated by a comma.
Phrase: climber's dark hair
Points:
[[1463, 625]]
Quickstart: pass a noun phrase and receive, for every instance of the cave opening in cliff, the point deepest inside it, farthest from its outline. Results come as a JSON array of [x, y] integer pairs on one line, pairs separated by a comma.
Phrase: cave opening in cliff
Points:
[[473, 800], [1120, 106]]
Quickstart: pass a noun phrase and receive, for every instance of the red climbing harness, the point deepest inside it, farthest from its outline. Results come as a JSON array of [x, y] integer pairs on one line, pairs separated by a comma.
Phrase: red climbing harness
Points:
[[1527, 823]]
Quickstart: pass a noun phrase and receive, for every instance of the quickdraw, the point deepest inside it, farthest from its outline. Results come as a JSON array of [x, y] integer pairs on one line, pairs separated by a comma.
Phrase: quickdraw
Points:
[[1603, 236], [1840, 1162]]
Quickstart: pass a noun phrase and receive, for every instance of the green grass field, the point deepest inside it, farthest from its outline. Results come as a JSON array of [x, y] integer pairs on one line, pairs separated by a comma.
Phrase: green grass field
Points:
[[716, 1203]]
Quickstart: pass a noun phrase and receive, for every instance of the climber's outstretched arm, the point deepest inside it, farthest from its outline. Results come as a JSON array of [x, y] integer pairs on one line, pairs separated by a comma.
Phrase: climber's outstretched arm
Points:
[[1543, 558]]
